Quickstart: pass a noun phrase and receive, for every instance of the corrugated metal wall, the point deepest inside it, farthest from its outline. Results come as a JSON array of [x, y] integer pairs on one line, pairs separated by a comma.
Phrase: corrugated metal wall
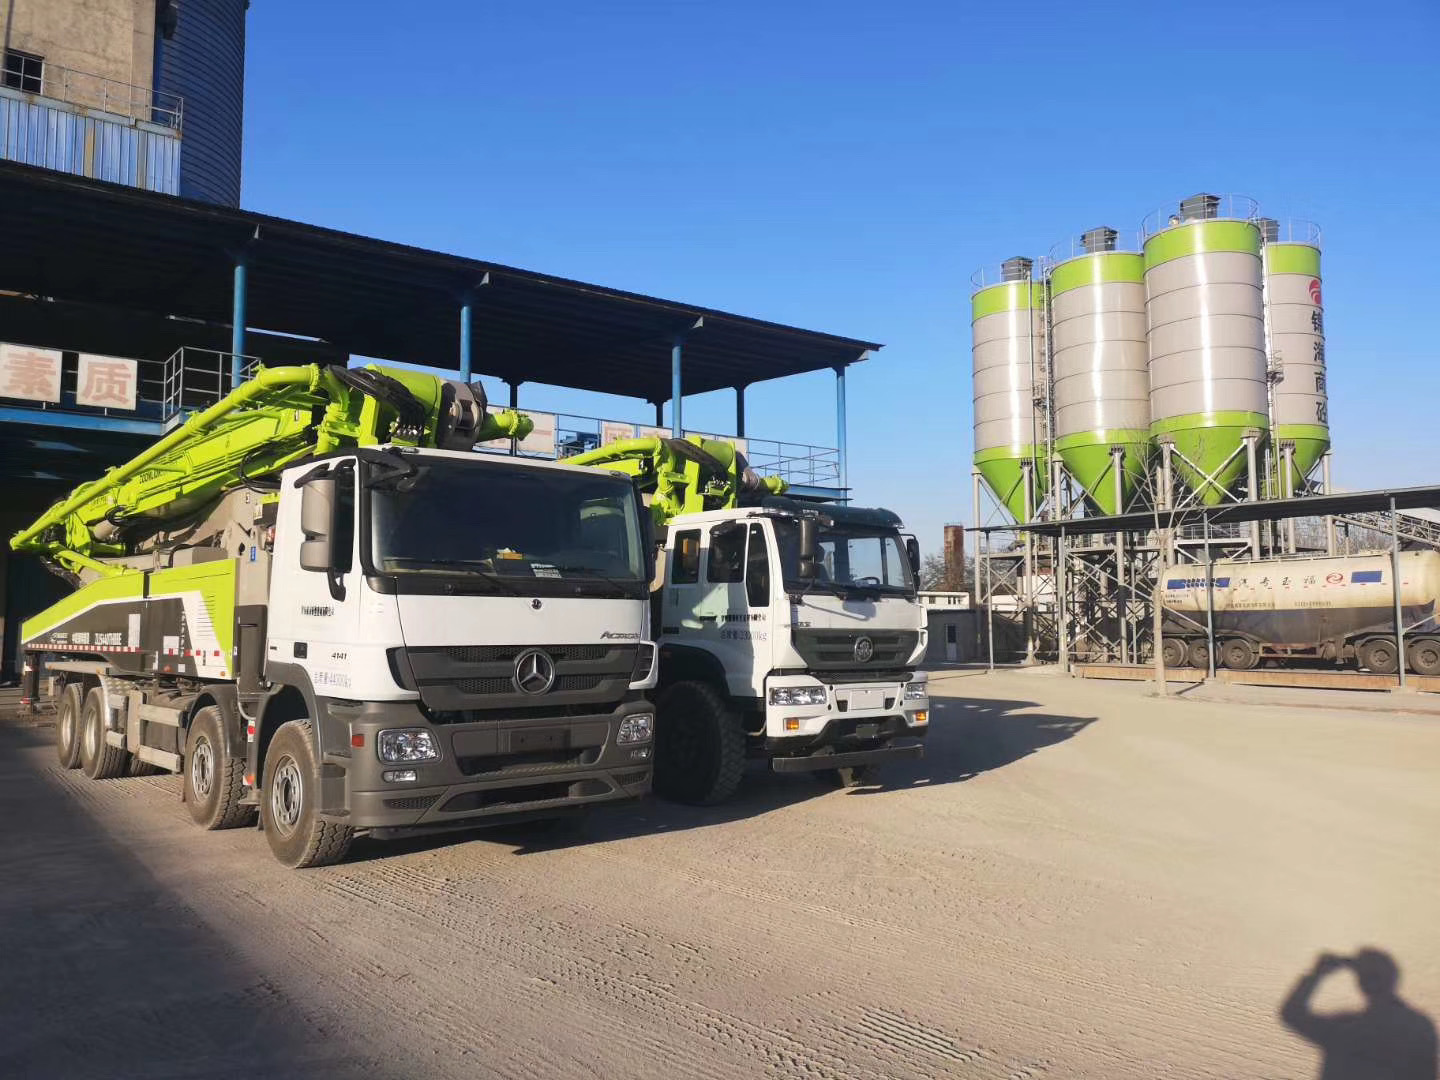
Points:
[[204, 62], [122, 152]]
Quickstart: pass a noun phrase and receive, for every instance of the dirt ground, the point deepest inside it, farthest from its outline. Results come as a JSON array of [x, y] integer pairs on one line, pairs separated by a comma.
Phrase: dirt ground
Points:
[[1077, 880]]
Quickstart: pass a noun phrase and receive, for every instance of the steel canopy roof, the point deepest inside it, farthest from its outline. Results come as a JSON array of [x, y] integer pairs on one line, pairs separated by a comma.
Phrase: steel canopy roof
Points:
[[81, 240], [1308, 506]]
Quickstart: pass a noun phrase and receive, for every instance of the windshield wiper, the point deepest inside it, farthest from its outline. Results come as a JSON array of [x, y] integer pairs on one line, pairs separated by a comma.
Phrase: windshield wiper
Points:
[[460, 566], [619, 583]]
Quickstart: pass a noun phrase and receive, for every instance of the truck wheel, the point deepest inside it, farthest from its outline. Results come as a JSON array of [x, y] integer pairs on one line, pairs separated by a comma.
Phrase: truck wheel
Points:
[[699, 746], [1198, 653], [67, 726], [1424, 656], [288, 808], [214, 782], [99, 759], [1238, 654], [1172, 651], [1379, 655]]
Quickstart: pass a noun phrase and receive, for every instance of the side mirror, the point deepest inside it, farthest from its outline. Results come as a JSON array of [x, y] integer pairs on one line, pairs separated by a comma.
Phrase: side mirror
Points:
[[317, 522], [808, 543], [912, 550]]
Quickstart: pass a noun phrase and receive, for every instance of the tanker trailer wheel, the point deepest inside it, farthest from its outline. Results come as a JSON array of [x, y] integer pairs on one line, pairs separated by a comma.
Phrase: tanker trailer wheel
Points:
[[1379, 655], [1172, 651], [1238, 654], [289, 802], [1198, 653], [99, 759], [67, 726], [1423, 655], [699, 745], [214, 783]]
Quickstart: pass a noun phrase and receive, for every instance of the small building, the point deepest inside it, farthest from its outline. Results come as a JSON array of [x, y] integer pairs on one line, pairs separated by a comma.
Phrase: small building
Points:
[[954, 627]]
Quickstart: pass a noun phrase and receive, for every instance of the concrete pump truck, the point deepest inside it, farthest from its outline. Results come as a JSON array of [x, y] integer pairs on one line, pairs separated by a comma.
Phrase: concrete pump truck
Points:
[[788, 630], [316, 602]]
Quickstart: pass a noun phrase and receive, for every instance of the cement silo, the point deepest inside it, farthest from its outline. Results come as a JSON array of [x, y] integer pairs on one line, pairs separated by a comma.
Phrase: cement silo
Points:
[[1101, 393], [1295, 332], [1206, 317], [1008, 325]]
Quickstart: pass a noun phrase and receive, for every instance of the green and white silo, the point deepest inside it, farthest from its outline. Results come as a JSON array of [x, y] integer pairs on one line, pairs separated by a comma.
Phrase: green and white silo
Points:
[[1206, 316], [1008, 328], [1295, 332], [1101, 393]]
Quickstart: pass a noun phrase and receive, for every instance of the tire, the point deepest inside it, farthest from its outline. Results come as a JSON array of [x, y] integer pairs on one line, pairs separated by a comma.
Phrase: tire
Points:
[[214, 782], [67, 726], [1379, 655], [1198, 654], [1172, 652], [99, 759], [288, 808], [699, 745], [1238, 654], [1423, 656]]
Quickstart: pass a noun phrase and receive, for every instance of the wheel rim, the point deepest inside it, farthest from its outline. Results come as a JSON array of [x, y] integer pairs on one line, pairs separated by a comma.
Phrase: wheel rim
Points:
[[202, 767], [67, 727], [92, 737], [1427, 657], [287, 795]]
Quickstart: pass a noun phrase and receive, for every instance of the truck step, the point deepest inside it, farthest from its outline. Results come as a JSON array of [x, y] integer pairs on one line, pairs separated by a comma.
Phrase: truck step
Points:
[[115, 738], [163, 758], [160, 714]]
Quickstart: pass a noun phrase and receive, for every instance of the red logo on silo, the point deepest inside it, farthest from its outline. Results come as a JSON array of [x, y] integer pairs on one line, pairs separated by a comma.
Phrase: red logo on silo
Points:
[[1315, 290]]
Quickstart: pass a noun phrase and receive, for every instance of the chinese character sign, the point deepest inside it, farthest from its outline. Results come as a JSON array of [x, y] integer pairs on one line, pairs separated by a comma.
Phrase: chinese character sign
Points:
[[106, 382], [29, 374]]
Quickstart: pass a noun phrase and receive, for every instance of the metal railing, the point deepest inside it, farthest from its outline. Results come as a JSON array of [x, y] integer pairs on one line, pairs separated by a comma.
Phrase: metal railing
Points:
[[1289, 231], [195, 379], [90, 91], [1073, 247], [1187, 212]]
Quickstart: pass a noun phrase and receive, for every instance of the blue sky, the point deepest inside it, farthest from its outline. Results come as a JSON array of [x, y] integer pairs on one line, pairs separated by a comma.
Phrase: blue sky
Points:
[[846, 166]]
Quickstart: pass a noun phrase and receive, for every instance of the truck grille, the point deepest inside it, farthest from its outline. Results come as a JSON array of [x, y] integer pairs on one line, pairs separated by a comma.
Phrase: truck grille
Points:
[[836, 648], [457, 678]]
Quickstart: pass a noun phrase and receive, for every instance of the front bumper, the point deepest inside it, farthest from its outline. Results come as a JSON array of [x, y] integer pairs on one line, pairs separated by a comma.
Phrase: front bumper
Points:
[[849, 705], [493, 769]]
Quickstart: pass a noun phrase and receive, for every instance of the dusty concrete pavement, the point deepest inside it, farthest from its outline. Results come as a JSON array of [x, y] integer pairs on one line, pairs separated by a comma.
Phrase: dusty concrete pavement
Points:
[[1078, 880]]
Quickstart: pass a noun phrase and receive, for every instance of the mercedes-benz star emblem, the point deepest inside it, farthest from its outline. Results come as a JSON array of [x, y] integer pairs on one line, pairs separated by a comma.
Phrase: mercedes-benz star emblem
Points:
[[534, 672], [864, 650]]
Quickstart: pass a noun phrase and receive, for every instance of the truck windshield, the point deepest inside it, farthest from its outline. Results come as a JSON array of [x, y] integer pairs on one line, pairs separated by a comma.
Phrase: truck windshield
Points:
[[518, 525], [848, 557]]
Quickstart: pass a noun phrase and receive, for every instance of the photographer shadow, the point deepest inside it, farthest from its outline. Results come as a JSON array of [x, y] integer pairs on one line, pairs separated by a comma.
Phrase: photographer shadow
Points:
[[1388, 1039]]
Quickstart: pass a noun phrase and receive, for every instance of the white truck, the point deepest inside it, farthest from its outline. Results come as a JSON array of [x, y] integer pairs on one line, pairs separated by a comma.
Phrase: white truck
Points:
[[788, 630], [315, 602]]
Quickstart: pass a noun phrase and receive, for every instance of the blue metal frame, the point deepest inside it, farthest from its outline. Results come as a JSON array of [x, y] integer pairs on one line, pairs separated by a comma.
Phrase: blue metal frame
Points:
[[677, 428], [237, 324], [466, 314], [83, 421]]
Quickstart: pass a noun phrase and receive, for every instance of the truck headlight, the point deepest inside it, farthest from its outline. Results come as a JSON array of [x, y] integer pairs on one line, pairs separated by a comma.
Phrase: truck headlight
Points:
[[638, 727], [798, 695], [407, 744], [916, 690]]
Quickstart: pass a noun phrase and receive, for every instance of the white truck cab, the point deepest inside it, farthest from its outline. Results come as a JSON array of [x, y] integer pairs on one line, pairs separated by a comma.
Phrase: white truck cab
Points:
[[791, 632]]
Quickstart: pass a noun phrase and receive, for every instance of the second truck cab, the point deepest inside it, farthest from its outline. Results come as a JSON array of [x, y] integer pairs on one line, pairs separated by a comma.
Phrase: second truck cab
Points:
[[788, 632]]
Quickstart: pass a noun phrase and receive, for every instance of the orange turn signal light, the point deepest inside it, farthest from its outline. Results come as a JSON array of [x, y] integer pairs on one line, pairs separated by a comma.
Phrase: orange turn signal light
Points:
[[792, 723]]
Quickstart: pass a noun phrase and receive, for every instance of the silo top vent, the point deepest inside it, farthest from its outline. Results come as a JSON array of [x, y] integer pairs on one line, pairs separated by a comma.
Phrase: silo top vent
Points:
[[1199, 207], [1097, 240], [1016, 269], [1269, 229]]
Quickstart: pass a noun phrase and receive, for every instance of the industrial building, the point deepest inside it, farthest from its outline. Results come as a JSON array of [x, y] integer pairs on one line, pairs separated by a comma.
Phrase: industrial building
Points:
[[1154, 400], [138, 92]]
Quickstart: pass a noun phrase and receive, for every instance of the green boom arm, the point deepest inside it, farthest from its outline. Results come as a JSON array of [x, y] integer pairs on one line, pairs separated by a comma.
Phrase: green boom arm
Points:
[[282, 416], [684, 476]]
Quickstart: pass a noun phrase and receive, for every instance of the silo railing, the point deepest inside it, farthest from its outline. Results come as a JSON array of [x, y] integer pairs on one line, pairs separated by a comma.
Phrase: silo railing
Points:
[[1223, 208]]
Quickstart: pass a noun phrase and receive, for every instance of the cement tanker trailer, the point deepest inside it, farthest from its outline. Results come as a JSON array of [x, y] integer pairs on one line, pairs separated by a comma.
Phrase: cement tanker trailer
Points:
[[1339, 609]]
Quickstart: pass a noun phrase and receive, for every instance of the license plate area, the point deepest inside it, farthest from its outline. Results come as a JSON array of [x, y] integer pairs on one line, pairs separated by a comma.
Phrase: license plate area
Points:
[[867, 731], [866, 699]]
